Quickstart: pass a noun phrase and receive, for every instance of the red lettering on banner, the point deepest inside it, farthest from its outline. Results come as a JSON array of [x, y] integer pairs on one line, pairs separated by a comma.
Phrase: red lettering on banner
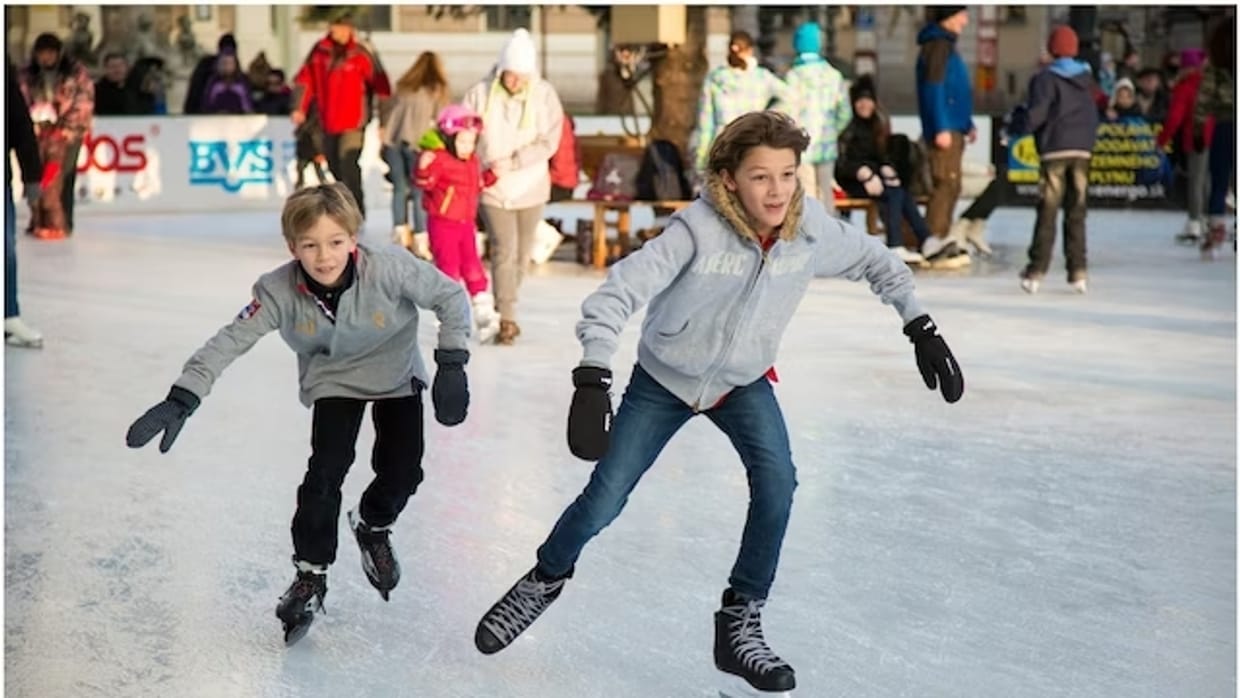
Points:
[[105, 154]]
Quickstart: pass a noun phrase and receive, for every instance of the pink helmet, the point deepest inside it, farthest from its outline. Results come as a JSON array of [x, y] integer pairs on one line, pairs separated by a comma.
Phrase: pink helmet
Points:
[[456, 118]]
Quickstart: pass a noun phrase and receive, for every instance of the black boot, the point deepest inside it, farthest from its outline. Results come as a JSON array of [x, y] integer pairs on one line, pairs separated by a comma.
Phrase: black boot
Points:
[[741, 650], [517, 610], [301, 601], [378, 561]]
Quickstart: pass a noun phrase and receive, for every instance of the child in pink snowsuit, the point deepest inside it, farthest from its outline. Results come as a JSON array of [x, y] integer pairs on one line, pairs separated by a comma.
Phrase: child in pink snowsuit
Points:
[[450, 176]]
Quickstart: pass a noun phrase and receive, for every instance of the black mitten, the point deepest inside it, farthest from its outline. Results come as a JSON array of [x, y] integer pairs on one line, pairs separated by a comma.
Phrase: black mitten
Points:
[[450, 393], [934, 359], [168, 416], [589, 415]]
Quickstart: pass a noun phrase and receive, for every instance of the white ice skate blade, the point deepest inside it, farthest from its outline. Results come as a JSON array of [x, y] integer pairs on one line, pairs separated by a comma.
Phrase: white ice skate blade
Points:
[[735, 687]]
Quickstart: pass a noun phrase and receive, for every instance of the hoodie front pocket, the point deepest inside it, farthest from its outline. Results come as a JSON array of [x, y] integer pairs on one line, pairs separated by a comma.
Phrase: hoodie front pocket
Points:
[[672, 334]]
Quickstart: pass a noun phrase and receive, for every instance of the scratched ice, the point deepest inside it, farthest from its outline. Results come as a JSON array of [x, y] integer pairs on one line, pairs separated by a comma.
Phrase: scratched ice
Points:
[[1067, 529]]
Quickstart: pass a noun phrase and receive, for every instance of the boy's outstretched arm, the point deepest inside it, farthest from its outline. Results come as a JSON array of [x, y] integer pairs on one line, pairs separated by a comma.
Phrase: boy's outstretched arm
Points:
[[630, 284], [430, 288], [853, 254], [203, 369]]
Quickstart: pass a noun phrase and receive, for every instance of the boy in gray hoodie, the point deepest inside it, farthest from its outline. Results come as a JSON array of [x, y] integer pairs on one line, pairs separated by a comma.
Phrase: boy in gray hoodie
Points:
[[350, 313], [722, 282]]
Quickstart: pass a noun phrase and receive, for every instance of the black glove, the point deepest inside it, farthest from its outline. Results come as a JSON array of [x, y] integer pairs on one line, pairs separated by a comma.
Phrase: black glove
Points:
[[450, 393], [168, 416], [938, 366], [589, 416]]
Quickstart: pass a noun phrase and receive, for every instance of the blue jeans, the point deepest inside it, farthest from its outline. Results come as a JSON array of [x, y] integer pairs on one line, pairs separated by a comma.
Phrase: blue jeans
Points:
[[648, 417], [898, 206], [10, 252], [402, 160], [1222, 162]]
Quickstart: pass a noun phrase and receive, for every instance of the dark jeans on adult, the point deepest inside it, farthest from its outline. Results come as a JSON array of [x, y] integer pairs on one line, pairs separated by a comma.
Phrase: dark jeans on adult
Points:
[[343, 151], [1064, 183], [648, 417], [396, 460], [990, 199], [512, 241], [10, 252], [1222, 163], [898, 206], [402, 160], [945, 171], [68, 193]]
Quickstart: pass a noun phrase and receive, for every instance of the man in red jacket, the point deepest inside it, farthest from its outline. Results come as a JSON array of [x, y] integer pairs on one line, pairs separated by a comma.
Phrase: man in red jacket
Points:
[[338, 79]]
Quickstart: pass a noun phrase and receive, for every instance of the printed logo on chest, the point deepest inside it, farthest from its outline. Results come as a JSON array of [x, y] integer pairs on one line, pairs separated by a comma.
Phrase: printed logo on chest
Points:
[[307, 327], [723, 263], [788, 264]]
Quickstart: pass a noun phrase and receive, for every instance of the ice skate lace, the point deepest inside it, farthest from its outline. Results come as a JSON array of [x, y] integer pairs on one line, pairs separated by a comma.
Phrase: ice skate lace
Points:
[[520, 608], [745, 634]]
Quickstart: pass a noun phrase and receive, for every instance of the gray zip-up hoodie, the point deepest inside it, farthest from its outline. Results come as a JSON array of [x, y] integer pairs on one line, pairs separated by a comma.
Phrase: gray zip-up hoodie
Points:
[[371, 350], [719, 305]]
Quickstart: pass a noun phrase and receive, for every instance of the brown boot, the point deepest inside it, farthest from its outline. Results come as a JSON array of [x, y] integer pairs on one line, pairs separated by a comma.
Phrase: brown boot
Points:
[[508, 331]]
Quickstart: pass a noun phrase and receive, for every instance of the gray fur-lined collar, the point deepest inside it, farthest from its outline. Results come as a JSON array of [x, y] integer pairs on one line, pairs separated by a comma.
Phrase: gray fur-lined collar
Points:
[[730, 209]]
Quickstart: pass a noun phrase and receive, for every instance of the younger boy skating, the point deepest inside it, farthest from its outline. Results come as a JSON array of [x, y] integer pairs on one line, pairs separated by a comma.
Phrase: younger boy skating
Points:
[[722, 282], [451, 178], [350, 313]]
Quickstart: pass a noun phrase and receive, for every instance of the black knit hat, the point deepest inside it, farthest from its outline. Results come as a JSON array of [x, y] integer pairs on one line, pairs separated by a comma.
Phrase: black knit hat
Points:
[[861, 88], [938, 13], [48, 42]]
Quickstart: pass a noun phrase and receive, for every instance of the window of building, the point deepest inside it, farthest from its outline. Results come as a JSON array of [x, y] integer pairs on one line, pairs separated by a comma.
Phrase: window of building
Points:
[[505, 18]]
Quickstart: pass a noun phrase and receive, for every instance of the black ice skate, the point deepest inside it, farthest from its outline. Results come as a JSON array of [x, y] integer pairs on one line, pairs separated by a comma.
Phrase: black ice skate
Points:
[[741, 650], [517, 610], [303, 599], [378, 561]]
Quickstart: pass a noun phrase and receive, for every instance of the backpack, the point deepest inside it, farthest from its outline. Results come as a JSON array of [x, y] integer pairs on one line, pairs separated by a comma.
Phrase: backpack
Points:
[[661, 176], [615, 178]]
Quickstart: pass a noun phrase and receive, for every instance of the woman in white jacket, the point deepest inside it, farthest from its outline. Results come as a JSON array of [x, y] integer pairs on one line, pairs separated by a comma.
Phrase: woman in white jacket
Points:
[[522, 119]]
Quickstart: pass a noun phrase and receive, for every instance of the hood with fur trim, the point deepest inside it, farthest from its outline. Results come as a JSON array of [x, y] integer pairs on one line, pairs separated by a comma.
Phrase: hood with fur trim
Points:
[[729, 207]]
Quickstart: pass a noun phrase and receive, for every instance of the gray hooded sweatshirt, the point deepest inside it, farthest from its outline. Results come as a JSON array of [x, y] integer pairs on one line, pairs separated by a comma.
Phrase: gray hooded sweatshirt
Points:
[[371, 350], [719, 304]]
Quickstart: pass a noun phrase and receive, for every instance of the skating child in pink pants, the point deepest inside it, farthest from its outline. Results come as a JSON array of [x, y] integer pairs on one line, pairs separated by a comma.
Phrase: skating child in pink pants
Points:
[[451, 178]]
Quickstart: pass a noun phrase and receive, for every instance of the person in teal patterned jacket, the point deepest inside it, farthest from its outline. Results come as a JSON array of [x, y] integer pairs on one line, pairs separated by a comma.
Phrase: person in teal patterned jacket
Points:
[[731, 90], [821, 107]]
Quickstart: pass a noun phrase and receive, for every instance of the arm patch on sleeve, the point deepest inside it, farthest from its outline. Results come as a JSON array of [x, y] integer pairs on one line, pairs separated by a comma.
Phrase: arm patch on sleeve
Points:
[[250, 310]]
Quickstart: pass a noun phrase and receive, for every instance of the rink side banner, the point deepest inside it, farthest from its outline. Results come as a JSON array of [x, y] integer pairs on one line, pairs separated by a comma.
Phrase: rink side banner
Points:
[[193, 164], [1127, 168]]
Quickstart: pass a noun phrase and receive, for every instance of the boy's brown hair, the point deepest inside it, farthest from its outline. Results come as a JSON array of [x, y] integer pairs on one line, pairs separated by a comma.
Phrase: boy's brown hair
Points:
[[769, 128], [305, 206]]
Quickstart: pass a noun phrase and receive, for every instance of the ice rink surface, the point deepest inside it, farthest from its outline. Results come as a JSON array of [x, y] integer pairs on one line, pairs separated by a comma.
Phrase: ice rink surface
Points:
[[1067, 529]]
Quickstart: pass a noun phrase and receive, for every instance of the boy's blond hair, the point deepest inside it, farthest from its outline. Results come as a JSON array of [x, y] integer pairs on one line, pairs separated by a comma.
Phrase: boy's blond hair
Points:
[[305, 206], [769, 128]]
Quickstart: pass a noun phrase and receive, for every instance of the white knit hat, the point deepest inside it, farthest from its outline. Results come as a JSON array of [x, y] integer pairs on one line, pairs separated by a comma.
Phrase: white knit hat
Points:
[[519, 54]]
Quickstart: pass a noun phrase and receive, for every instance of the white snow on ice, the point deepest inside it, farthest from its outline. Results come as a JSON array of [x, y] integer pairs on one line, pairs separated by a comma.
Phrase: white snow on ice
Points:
[[1067, 529]]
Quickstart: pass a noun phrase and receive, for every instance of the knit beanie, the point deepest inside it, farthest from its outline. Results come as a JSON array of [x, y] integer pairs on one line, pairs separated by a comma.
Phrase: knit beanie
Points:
[[808, 38], [938, 13], [862, 87], [1063, 42], [519, 54]]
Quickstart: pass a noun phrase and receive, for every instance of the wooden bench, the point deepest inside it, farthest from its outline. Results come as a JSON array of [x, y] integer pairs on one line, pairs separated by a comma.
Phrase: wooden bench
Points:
[[622, 224]]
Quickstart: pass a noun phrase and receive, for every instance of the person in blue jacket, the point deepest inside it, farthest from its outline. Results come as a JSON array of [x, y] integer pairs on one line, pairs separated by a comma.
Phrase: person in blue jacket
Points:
[[722, 282], [945, 104]]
